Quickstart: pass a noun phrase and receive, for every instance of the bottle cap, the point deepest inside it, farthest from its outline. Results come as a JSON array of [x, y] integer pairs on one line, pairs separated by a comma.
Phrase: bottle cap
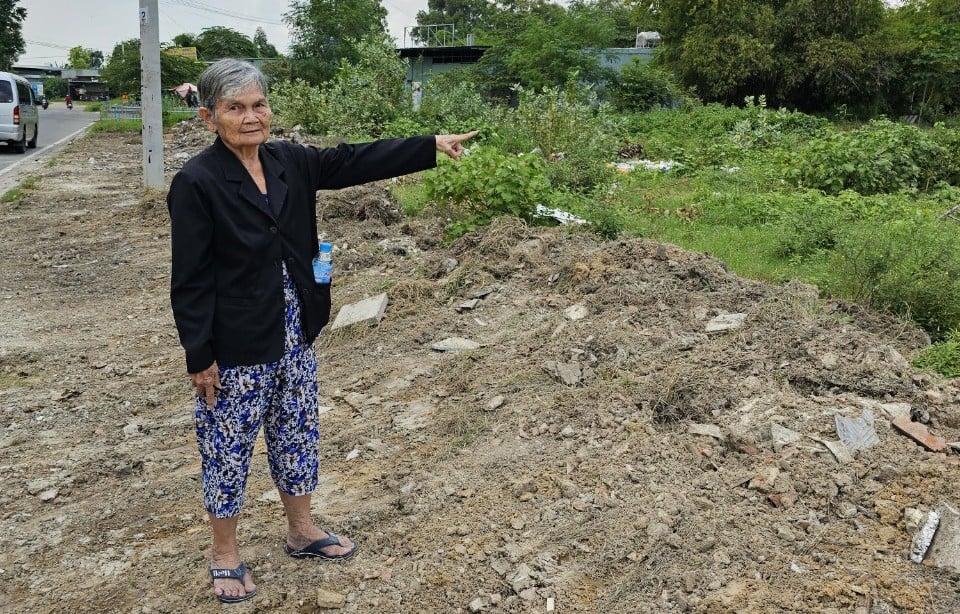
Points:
[[326, 247]]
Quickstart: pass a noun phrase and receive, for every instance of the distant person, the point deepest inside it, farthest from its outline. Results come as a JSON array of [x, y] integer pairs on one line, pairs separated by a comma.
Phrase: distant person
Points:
[[68, 101], [247, 308]]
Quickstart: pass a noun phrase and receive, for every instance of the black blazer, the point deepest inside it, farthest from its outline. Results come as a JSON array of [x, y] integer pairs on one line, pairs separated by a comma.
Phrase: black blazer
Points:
[[226, 285]]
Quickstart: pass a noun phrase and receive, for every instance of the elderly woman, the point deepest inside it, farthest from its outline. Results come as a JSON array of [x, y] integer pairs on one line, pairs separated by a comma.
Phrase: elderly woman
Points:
[[247, 308]]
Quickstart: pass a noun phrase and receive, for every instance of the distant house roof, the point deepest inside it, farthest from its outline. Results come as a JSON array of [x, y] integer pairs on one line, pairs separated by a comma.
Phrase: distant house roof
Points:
[[446, 55]]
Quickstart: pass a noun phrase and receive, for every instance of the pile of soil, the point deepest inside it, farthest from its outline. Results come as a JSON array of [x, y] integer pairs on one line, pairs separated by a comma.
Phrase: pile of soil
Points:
[[599, 450]]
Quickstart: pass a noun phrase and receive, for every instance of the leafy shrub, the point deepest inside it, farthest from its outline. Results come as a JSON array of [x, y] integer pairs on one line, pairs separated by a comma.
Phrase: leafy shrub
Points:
[[641, 87], [569, 128], [910, 267], [452, 103], [296, 103], [486, 184], [359, 101], [942, 357], [880, 157]]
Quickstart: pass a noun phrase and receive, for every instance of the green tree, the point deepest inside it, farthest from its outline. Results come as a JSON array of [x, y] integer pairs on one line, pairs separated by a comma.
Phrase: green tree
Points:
[[79, 58], [122, 71], [264, 48], [467, 17], [185, 39], [54, 87], [931, 55], [538, 44], [324, 32], [220, 42], [813, 54], [11, 32], [96, 59]]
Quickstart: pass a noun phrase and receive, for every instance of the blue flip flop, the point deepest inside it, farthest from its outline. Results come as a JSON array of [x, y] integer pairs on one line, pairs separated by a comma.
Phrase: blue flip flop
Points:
[[314, 550], [232, 574]]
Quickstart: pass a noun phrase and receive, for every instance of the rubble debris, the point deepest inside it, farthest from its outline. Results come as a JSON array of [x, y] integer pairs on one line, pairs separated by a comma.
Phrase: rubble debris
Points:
[[725, 321], [368, 310], [924, 536], [919, 433], [857, 433]]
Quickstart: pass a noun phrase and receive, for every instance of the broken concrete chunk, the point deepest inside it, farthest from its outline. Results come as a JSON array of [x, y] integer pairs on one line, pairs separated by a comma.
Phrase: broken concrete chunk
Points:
[[944, 550], [330, 600], [468, 305], [782, 436], [764, 479], [368, 310], [576, 312], [455, 344], [726, 321], [919, 433], [839, 451], [413, 416], [924, 536], [567, 372], [894, 410], [709, 430]]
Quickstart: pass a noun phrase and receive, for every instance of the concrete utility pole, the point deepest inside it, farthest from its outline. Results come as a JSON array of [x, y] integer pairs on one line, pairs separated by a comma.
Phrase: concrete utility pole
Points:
[[151, 107]]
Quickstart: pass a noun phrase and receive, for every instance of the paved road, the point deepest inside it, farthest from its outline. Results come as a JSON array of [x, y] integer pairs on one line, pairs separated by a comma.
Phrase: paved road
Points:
[[56, 124]]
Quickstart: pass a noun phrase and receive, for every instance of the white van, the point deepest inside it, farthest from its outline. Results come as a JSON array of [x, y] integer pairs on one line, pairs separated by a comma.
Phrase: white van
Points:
[[19, 120]]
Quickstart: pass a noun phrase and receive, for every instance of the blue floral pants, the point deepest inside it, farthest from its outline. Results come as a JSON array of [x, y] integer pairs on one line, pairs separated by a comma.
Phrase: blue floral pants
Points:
[[282, 397]]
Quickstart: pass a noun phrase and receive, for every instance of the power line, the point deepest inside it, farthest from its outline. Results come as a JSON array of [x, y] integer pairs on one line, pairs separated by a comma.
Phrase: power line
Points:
[[202, 6], [51, 45]]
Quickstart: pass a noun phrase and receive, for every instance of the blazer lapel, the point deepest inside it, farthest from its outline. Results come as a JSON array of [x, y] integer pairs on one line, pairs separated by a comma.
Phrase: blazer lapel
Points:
[[274, 172], [234, 172]]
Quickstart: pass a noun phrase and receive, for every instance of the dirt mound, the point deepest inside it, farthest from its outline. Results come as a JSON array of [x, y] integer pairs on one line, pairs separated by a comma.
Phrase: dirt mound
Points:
[[638, 430]]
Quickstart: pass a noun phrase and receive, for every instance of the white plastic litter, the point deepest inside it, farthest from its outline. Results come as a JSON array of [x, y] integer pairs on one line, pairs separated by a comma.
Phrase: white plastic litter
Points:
[[561, 216], [857, 433]]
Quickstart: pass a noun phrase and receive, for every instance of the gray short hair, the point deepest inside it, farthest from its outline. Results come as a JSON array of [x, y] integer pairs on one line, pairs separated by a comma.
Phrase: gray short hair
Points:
[[224, 78]]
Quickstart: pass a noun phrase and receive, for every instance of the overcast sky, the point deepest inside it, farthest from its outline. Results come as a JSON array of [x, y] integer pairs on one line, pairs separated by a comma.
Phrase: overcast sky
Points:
[[52, 27]]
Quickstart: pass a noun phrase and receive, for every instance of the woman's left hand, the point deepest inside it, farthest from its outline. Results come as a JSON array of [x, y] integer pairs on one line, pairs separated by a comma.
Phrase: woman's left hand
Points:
[[452, 144]]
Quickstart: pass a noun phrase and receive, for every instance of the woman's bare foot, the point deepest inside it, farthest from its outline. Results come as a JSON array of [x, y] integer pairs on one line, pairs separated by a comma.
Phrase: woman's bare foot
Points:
[[309, 534], [227, 587]]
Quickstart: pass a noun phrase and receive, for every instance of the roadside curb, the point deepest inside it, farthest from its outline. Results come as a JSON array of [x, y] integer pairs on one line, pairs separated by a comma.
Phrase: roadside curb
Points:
[[8, 180]]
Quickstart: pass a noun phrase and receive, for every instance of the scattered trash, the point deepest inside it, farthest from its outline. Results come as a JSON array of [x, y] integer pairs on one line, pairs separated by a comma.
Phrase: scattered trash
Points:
[[354, 453], [857, 433], [558, 214], [650, 165]]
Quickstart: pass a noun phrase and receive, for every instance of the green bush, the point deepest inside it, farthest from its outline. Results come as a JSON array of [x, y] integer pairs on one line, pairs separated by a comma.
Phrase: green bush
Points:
[[641, 87], [486, 184], [570, 129], [942, 357], [883, 156], [297, 103], [452, 103], [909, 267], [360, 101]]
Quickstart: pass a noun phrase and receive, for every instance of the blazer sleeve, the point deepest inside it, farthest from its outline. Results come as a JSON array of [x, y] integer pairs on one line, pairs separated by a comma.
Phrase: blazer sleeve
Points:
[[348, 165], [192, 276]]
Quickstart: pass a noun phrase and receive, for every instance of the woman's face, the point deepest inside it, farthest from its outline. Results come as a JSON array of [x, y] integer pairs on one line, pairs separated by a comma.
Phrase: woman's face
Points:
[[241, 121]]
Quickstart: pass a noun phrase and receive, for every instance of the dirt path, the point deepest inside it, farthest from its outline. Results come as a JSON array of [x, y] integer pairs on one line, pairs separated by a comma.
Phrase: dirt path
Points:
[[553, 465]]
